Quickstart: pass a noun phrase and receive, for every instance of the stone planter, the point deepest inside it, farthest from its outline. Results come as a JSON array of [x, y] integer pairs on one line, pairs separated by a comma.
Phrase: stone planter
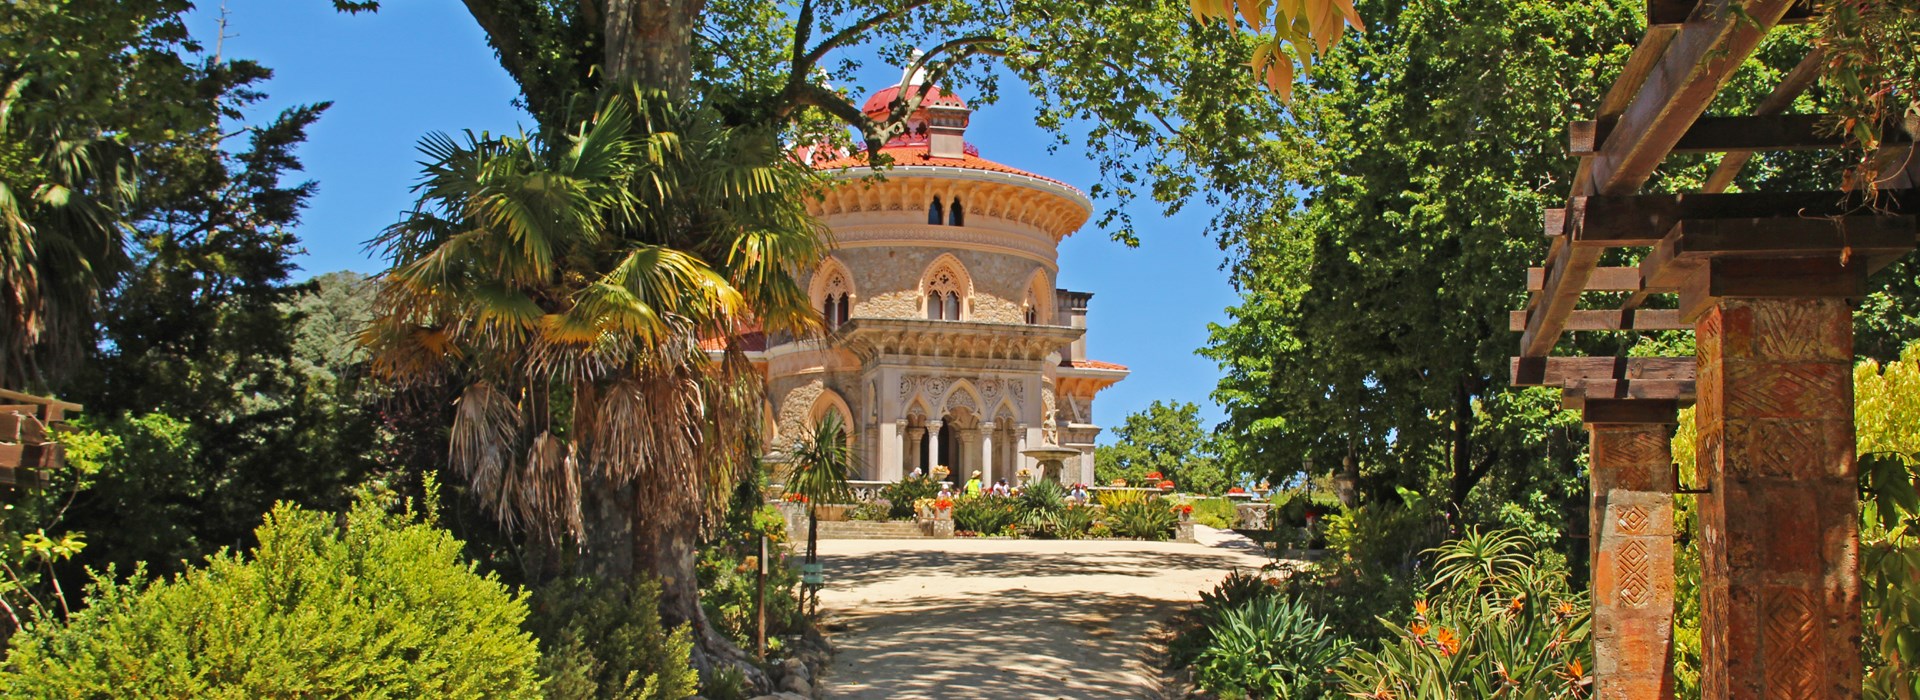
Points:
[[832, 513]]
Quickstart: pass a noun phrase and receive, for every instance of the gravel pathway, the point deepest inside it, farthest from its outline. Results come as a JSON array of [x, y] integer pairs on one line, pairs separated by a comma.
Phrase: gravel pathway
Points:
[[1000, 619]]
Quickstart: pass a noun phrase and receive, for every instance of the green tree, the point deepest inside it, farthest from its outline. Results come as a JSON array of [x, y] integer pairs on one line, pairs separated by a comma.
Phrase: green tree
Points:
[[1165, 438], [366, 604]]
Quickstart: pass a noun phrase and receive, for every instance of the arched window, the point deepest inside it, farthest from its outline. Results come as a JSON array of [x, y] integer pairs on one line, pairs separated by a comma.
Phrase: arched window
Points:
[[957, 215], [934, 212], [844, 308], [1033, 315], [832, 293], [934, 307], [835, 310], [948, 288], [953, 307]]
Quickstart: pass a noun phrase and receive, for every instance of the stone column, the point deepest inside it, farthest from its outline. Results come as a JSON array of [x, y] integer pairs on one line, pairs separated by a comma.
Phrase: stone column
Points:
[[933, 449], [1631, 473], [888, 460], [916, 435], [1780, 615], [986, 452], [1020, 461]]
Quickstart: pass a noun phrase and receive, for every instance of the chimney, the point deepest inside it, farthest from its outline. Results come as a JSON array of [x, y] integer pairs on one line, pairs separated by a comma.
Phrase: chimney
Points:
[[946, 130]]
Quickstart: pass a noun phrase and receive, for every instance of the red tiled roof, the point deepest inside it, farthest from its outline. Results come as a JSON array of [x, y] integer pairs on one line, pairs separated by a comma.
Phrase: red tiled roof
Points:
[[916, 155], [1091, 364], [878, 104]]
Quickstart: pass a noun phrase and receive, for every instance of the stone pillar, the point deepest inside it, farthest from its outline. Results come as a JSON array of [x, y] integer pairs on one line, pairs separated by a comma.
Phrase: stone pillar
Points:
[[986, 453], [889, 463], [1631, 472], [933, 451], [916, 435], [1020, 461], [1780, 615]]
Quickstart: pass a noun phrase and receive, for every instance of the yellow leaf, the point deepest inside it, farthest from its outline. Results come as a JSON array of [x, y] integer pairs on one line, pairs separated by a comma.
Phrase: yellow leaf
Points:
[[1280, 78], [1254, 12], [1352, 15], [1199, 10], [1261, 55]]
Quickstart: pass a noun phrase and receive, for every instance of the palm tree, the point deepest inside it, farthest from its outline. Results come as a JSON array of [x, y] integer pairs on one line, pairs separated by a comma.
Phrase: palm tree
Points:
[[64, 192], [821, 465], [562, 282]]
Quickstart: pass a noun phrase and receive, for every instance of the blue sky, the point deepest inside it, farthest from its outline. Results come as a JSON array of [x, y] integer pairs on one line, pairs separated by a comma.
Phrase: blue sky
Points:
[[420, 66]]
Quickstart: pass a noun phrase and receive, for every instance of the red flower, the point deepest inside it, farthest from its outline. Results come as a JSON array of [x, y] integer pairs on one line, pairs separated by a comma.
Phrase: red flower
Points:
[[943, 504], [1236, 490], [1154, 476], [1166, 484], [796, 498], [1186, 509]]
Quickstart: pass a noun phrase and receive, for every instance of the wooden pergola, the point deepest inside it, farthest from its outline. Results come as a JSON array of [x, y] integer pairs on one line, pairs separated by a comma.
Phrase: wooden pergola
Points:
[[27, 448], [1765, 282]]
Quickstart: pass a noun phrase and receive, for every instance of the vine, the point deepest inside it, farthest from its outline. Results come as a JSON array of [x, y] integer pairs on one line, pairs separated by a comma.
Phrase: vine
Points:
[[1872, 73]]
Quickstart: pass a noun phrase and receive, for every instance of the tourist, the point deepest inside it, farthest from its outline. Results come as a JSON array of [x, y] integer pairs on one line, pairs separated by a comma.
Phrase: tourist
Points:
[[1078, 495], [973, 484], [1000, 488], [918, 473]]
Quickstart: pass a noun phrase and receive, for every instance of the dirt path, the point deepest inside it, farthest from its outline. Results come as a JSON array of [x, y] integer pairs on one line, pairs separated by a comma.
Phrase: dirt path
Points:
[[1000, 619]]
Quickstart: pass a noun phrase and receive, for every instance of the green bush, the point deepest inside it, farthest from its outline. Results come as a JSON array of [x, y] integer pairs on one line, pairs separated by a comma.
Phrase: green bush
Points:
[[373, 605], [602, 640], [1146, 519], [1219, 513], [902, 494], [1239, 588], [1075, 522], [986, 515], [1499, 615], [878, 510], [729, 568], [1271, 646], [1043, 496]]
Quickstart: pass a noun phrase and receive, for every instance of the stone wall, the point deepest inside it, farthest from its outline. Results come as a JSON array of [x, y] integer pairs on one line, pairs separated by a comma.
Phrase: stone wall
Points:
[[887, 282]]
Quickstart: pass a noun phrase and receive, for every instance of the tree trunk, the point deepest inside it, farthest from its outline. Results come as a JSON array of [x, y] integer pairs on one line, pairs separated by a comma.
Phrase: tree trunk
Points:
[[666, 546], [607, 517], [1465, 473], [650, 43]]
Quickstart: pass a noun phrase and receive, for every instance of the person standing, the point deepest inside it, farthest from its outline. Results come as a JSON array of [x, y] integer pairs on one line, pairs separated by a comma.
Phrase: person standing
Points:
[[973, 484]]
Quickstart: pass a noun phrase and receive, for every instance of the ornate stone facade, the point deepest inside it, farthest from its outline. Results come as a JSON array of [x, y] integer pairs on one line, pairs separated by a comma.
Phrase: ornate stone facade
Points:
[[948, 343]]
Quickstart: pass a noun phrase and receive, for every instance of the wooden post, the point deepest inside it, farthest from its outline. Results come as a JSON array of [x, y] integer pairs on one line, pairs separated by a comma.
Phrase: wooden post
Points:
[[1631, 472], [760, 604], [1780, 616]]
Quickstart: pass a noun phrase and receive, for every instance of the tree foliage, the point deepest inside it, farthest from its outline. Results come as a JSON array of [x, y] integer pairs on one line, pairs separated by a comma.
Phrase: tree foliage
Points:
[[1167, 439]]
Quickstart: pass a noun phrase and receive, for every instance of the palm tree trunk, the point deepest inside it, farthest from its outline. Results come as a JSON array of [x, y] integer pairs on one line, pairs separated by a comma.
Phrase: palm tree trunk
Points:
[[669, 553]]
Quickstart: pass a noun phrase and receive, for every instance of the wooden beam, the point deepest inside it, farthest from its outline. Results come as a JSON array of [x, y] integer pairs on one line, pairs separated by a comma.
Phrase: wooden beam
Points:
[[1797, 81], [1698, 61], [1673, 13], [1561, 371], [1781, 132], [1611, 320], [1790, 238], [1603, 279], [1681, 390], [1643, 220]]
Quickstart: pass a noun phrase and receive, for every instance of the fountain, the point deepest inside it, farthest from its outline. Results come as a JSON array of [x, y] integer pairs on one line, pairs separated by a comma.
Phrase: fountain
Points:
[[1051, 459]]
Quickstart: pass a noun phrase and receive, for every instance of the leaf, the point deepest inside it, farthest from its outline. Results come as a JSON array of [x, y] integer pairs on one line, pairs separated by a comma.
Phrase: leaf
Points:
[[1280, 78]]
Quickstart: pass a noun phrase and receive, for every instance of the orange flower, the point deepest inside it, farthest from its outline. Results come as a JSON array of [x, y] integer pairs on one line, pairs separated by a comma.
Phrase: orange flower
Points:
[[1418, 628], [1519, 602], [1154, 476], [1166, 484], [943, 504], [1420, 608], [1564, 608], [1449, 644], [1574, 671]]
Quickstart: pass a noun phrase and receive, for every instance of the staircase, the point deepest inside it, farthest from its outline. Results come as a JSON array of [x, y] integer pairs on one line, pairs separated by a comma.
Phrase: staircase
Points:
[[866, 530]]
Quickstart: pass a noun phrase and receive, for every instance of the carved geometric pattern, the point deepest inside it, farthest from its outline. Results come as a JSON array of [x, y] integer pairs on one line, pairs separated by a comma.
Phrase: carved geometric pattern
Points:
[[1633, 520], [1631, 571], [1790, 650], [1794, 330], [1787, 448], [1791, 390]]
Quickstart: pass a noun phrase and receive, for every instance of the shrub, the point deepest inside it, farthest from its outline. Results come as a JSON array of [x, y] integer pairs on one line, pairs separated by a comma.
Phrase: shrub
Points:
[[372, 604], [1237, 589], [877, 510], [1043, 496], [1271, 646], [728, 570], [986, 515], [1075, 522], [901, 495], [1499, 615], [602, 640], [1125, 497], [1147, 519], [1217, 513]]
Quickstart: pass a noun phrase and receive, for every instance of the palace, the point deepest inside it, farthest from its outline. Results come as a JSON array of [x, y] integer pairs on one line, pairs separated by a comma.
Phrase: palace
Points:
[[948, 343]]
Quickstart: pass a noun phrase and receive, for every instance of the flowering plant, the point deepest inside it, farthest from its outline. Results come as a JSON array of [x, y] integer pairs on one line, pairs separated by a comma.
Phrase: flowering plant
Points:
[[1119, 482], [795, 498], [943, 504], [1184, 509], [1154, 476], [1165, 484], [1236, 490]]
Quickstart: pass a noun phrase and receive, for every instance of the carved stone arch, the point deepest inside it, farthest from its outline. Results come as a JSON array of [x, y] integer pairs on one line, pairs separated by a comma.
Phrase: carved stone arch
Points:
[[830, 401], [962, 395], [946, 274], [1005, 414], [832, 277], [1039, 302]]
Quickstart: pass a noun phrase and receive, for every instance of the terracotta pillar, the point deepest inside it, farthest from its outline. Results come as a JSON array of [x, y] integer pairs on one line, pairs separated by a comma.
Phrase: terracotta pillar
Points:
[[1780, 618], [1631, 473]]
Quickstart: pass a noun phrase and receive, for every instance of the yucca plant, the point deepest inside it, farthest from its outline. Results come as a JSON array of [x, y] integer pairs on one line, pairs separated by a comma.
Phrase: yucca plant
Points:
[[822, 462]]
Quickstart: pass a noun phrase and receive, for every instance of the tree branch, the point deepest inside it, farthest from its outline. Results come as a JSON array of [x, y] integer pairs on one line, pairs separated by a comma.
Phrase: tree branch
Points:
[[504, 35], [853, 31]]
